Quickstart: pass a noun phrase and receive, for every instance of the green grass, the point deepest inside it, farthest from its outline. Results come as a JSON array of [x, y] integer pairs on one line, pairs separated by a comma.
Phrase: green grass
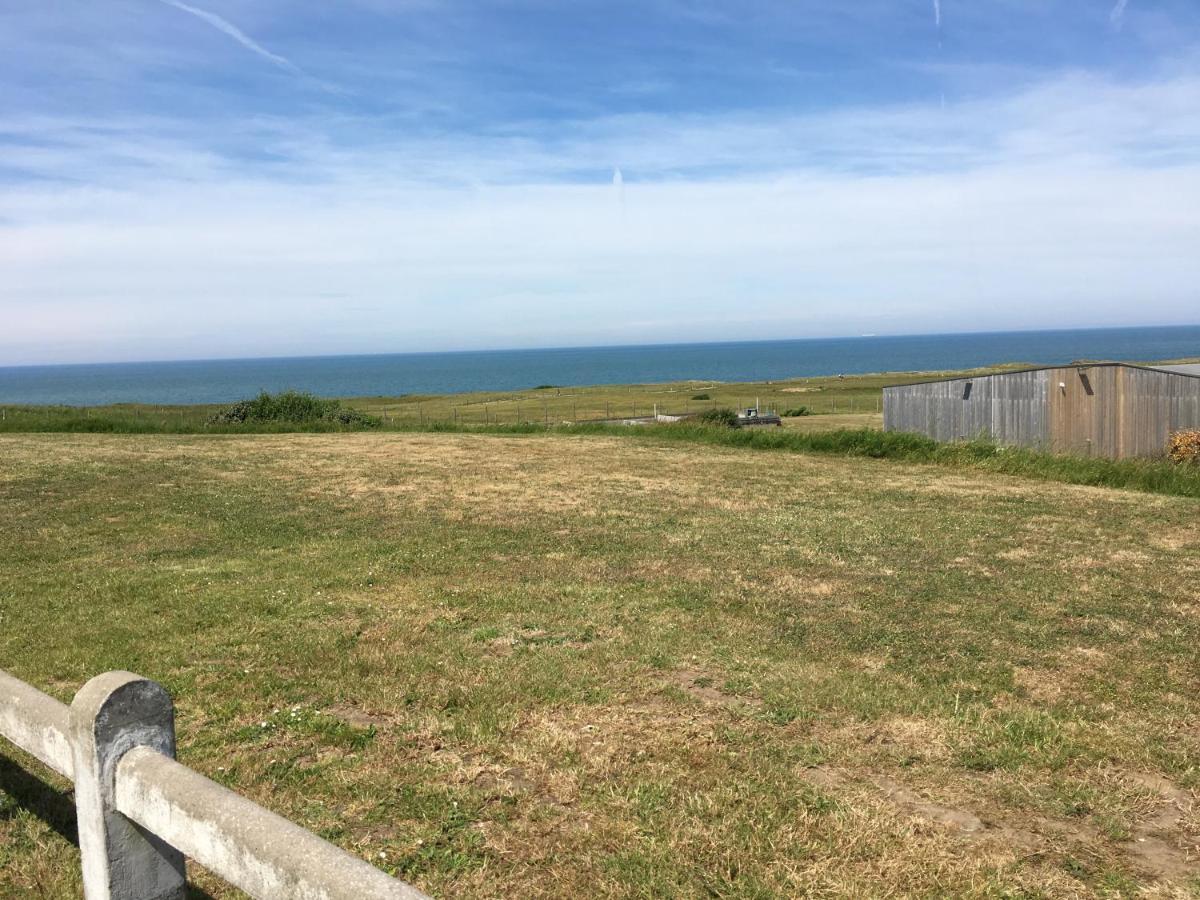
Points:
[[1150, 475], [551, 664], [835, 403], [292, 408]]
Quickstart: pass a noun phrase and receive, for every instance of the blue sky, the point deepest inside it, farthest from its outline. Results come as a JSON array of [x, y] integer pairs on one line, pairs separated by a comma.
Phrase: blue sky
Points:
[[229, 178]]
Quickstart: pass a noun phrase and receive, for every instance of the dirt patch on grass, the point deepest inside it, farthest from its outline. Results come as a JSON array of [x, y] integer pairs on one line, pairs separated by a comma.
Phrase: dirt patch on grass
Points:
[[358, 718], [1162, 845], [702, 686], [913, 804], [898, 796]]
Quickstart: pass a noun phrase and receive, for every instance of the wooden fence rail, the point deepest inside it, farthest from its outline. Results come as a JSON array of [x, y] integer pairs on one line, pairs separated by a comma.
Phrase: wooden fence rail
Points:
[[140, 811]]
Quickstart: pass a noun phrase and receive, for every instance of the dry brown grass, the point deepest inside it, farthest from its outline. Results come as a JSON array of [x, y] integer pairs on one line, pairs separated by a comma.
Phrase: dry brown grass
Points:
[[552, 666]]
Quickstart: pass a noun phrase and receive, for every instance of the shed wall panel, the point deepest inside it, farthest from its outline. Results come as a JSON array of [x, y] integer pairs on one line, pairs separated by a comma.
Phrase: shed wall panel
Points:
[[1103, 410], [1011, 410]]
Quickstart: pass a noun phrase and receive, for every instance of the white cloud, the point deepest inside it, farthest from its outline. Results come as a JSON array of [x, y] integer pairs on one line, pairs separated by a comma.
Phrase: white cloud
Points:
[[1117, 16], [1070, 203], [227, 27]]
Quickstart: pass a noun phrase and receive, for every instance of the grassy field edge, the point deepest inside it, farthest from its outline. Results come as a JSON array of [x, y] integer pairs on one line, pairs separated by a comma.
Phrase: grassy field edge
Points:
[[1146, 475]]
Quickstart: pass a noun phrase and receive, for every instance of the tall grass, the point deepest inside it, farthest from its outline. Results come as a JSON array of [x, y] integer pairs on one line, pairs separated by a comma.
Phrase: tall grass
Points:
[[292, 407], [1157, 476], [288, 411]]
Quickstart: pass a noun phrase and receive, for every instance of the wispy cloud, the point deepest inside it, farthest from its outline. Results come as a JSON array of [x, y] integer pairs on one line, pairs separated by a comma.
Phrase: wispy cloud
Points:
[[937, 13], [1117, 16], [227, 27]]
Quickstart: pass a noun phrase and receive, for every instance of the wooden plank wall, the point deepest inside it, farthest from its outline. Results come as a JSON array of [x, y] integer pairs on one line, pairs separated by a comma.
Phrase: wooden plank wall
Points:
[[1010, 409], [1113, 411], [1085, 410], [1156, 404]]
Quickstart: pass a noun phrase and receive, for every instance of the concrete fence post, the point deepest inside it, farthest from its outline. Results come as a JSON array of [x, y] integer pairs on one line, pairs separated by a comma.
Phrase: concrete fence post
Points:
[[112, 714]]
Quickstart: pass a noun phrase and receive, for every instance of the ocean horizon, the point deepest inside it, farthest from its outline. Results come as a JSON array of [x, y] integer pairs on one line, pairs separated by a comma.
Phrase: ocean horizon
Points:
[[465, 371]]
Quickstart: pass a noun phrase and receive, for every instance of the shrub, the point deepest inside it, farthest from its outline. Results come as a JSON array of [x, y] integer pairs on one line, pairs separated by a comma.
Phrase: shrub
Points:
[[701, 396], [1184, 447], [723, 416], [798, 411], [292, 407]]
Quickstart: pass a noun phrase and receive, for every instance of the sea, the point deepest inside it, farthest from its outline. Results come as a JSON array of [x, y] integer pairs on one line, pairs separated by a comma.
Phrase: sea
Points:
[[394, 374]]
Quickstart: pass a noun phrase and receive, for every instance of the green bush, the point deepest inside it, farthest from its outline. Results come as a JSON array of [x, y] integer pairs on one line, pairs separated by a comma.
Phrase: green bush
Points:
[[701, 396], [722, 416], [292, 407], [798, 411]]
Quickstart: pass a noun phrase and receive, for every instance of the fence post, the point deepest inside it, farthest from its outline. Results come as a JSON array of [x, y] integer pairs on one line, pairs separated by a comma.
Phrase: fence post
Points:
[[110, 715]]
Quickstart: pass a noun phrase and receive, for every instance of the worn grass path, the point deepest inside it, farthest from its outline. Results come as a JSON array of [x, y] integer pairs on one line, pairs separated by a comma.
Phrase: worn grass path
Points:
[[547, 666]]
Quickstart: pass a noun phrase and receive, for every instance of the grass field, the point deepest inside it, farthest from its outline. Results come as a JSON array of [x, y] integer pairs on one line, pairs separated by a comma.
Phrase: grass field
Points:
[[856, 397], [539, 665], [839, 401]]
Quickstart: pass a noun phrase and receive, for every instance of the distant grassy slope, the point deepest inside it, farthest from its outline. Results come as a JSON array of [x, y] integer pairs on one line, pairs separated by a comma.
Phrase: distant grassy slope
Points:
[[854, 394], [589, 666], [847, 406]]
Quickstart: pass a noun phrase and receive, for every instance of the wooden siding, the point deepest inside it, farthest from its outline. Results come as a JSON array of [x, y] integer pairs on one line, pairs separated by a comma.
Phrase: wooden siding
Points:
[[1105, 410], [1010, 409], [1085, 410], [1155, 404]]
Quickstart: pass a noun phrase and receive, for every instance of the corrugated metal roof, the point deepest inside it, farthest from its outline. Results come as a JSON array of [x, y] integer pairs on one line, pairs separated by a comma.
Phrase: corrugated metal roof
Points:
[[1192, 369]]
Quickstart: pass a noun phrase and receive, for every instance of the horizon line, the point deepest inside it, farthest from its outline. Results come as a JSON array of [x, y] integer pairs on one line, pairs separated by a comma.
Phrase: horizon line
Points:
[[566, 348]]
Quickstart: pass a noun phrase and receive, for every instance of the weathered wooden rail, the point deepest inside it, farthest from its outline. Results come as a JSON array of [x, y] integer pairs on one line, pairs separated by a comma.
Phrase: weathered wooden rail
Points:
[[140, 812]]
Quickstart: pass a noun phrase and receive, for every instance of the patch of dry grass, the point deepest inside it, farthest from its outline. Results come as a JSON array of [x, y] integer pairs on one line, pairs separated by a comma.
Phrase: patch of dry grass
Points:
[[552, 666]]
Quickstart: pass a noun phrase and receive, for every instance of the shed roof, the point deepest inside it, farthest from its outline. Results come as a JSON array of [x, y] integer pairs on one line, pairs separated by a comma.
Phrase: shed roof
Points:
[[1192, 369]]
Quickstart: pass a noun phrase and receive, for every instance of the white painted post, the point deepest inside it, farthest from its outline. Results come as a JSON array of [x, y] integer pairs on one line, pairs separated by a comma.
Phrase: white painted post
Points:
[[112, 714]]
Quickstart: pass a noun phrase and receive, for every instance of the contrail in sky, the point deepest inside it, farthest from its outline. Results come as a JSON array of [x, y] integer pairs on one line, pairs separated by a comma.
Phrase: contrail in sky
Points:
[[237, 34], [1117, 16], [937, 12]]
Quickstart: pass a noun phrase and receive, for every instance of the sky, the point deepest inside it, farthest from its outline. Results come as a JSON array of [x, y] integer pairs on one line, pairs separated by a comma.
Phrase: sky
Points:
[[231, 178]]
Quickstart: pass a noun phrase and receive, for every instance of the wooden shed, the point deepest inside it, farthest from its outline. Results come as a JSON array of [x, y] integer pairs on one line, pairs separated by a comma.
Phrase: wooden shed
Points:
[[1107, 409]]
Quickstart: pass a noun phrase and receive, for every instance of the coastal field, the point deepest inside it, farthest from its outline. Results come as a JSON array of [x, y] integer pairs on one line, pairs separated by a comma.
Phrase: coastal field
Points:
[[553, 665], [858, 397]]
